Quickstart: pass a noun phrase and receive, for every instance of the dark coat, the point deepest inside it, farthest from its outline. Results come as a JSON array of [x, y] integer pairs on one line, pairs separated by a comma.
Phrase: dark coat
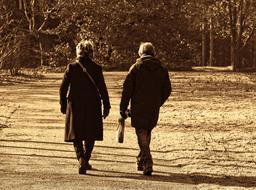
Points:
[[83, 113], [148, 86]]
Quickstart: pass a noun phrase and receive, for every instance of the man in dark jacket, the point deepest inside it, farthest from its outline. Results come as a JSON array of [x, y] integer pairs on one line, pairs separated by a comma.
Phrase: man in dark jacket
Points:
[[84, 83], [147, 86]]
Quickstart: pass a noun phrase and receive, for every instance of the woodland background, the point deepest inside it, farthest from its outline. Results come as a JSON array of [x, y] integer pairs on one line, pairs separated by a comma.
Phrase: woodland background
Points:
[[186, 33]]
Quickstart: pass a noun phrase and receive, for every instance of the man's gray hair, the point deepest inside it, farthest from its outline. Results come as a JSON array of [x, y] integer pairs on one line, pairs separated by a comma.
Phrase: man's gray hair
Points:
[[84, 49], [146, 48]]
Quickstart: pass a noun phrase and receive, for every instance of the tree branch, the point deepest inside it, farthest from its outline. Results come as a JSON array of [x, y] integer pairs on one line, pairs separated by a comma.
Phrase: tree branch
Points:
[[32, 3], [46, 19], [20, 4], [248, 38], [49, 14], [240, 28], [27, 14]]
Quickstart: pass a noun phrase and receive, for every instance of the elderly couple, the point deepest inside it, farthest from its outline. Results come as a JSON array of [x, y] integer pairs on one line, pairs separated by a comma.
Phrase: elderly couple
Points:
[[147, 86]]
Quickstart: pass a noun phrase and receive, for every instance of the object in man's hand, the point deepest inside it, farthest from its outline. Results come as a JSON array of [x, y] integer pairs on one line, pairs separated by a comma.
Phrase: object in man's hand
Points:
[[120, 130], [123, 114]]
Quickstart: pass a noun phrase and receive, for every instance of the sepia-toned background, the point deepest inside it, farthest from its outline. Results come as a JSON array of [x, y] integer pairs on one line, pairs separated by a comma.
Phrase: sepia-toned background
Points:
[[205, 137], [185, 33]]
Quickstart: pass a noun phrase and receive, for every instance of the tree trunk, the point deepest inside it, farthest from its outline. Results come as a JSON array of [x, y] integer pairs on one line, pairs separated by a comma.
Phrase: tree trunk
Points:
[[232, 52], [211, 53], [203, 62], [41, 54], [233, 35], [204, 22], [253, 54], [235, 54]]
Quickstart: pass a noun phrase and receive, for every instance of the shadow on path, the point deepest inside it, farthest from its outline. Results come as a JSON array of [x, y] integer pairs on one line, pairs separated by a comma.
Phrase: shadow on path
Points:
[[240, 181], [159, 162], [124, 148]]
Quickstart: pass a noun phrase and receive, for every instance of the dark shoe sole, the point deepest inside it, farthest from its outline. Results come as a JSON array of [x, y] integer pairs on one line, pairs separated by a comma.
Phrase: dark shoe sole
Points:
[[148, 171], [88, 167], [82, 170]]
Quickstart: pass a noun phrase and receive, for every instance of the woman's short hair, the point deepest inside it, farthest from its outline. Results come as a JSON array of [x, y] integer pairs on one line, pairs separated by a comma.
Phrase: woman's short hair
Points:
[[84, 49], [146, 48]]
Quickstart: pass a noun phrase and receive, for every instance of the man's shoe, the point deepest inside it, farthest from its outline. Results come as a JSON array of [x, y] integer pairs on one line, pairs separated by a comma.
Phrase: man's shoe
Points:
[[82, 170], [148, 171], [88, 166]]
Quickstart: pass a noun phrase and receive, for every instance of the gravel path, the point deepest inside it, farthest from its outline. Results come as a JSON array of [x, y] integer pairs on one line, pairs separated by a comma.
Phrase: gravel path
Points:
[[205, 139]]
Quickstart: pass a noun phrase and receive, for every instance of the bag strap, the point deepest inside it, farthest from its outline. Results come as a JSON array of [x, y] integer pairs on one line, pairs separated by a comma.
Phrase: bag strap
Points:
[[90, 77]]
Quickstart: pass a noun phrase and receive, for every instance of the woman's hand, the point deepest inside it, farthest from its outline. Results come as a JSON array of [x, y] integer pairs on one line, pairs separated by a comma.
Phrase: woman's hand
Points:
[[105, 113]]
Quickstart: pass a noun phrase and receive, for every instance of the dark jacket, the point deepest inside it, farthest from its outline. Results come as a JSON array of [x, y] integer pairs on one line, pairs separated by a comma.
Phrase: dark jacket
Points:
[[148, 86], [83, 113]]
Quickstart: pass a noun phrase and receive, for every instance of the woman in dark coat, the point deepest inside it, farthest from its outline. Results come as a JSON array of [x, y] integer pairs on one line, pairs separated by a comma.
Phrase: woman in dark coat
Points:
[[147, 86], [81, 91]]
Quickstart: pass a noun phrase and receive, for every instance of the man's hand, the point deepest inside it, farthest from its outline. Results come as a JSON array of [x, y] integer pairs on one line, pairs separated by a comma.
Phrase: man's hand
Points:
[[123, 114]]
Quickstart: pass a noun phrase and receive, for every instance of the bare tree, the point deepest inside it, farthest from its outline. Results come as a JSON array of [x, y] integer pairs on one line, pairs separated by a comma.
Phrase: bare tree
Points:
[[242, 27]]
